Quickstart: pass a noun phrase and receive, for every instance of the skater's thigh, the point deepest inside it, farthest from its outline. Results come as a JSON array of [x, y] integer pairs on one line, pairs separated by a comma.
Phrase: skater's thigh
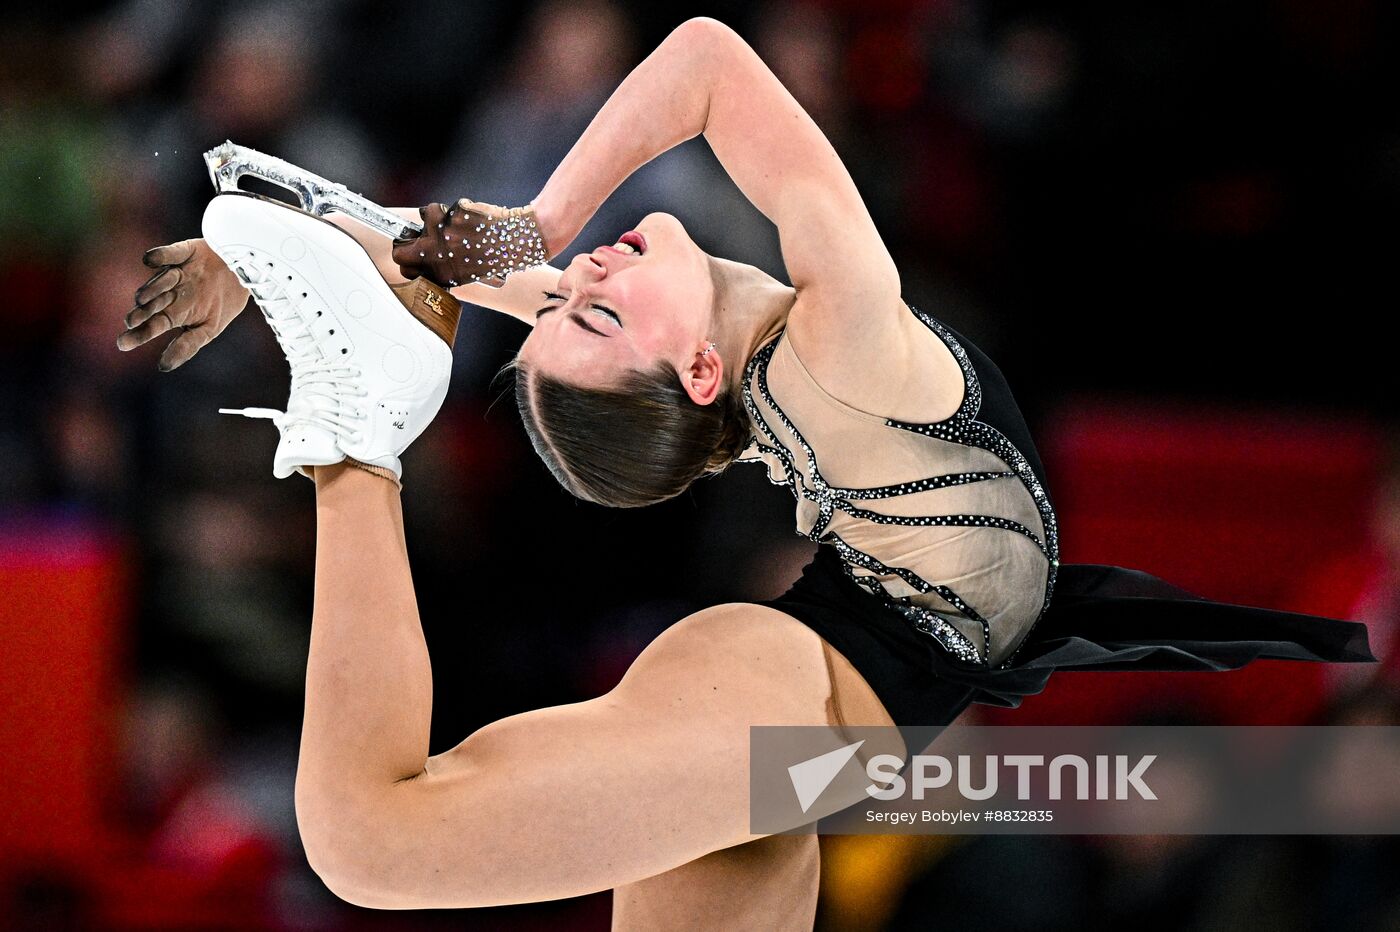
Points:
[[768, 884]]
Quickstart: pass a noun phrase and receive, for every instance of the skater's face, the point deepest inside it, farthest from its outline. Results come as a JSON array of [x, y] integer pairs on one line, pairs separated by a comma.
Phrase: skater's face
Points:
[[615, 311]]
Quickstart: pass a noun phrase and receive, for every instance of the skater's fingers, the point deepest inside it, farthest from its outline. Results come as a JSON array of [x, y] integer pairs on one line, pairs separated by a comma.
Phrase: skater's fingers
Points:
[[181, 349], [157, 274], [173, 254], [406, 253], [432, 215], [161, 281], [142, 312], [484, 210], [159, 323], [412, 270]]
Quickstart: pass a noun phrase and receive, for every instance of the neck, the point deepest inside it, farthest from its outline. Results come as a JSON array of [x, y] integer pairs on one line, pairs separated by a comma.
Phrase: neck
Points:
[[751, 308]]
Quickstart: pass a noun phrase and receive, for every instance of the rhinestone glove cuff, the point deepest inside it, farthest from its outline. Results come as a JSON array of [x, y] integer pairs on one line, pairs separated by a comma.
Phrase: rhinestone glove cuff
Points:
[[471, 242]]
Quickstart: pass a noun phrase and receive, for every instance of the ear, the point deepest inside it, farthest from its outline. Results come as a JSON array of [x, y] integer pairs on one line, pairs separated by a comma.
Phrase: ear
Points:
[[705, 377]]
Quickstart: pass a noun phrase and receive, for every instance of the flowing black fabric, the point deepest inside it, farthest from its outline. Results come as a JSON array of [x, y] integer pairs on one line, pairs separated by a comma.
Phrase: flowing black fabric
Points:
[[1101, 618]]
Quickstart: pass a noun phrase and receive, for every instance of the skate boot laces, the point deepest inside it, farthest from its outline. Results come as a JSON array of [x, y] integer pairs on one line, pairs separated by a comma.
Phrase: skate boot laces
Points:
[[322, 388]]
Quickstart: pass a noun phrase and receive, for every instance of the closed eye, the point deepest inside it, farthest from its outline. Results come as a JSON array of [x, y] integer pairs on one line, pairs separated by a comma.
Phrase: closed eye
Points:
[[612, 314], [551, 296]]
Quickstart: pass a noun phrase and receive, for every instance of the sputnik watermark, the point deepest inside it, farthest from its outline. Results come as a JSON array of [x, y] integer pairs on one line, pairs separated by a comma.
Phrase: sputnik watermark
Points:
[[932, 772], [1077, 780], [1120, 775]]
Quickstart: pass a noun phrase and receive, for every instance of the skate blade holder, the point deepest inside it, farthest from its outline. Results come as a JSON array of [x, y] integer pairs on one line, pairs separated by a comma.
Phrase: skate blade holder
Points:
[[317, 196]]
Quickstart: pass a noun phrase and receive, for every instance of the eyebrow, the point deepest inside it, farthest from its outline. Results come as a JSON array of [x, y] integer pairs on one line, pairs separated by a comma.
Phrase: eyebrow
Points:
[[578, 319]]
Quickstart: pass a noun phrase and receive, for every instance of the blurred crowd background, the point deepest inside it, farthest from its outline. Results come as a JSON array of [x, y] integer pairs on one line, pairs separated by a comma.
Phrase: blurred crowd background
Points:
[[1170, 223]]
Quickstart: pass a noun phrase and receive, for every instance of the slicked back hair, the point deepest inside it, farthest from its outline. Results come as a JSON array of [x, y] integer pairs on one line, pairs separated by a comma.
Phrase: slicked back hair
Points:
[[635, 444]]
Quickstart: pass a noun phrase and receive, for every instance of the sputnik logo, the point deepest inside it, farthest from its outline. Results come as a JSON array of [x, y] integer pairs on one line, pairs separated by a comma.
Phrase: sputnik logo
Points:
[[810, 778]]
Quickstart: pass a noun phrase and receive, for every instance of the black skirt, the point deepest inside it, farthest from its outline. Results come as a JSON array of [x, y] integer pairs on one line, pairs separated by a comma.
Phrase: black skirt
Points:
[[1100, 618]]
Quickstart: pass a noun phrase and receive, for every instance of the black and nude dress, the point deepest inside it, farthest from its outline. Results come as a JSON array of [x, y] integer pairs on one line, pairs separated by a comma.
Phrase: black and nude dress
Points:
[[938, 574]]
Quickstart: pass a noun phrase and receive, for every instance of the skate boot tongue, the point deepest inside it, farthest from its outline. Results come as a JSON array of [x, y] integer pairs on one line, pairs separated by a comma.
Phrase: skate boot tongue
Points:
[[306, 439], [304, 444]]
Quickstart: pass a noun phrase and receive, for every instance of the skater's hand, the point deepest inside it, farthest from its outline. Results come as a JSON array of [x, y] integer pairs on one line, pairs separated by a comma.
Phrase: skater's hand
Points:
[[193, 292], [451, 251]]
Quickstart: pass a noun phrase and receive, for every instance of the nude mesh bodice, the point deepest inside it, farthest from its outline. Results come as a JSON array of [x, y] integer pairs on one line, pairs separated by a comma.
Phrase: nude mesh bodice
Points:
[[946, 521]]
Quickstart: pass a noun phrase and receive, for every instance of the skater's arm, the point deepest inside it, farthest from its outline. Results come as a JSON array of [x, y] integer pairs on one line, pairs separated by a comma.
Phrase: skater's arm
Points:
[[704, 79], [521, 296]]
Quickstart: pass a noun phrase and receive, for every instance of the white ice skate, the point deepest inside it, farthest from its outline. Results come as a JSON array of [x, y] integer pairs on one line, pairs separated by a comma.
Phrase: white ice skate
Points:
[[370, 362]]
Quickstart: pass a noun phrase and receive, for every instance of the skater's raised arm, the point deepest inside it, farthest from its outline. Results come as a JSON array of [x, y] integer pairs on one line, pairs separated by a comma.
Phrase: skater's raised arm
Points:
[[705, 79]]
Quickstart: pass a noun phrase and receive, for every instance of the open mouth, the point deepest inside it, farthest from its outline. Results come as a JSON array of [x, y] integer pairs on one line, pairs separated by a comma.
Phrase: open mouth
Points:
[[631, 243]]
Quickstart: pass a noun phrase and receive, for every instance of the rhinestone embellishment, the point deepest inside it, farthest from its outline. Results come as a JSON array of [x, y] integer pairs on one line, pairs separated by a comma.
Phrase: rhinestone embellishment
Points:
[[961, 427], [512, 242]]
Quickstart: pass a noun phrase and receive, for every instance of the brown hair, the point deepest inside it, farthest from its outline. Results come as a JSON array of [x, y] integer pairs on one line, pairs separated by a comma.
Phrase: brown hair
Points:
[[637, 444]]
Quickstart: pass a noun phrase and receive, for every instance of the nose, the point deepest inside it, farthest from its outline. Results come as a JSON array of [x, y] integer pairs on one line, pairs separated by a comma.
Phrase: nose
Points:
[[589, 267]]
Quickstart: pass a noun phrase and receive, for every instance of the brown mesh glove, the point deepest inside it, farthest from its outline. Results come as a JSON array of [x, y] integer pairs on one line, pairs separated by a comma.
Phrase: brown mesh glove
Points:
[[471, 242], [193, 293]]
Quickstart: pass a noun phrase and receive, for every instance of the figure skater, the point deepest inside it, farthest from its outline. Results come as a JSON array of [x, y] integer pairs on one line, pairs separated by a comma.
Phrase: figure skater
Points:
[[648, 365]]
